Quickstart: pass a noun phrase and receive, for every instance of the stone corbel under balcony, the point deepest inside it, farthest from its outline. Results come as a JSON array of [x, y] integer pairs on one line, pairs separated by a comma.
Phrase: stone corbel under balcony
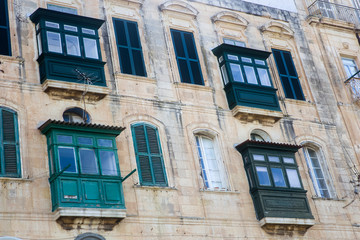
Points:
[[263, 116], [71, 90], [91, 218], [285, 226]]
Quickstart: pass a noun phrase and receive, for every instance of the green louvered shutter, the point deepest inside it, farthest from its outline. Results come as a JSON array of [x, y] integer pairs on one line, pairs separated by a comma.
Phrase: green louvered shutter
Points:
[[148, 155], [9, 164]]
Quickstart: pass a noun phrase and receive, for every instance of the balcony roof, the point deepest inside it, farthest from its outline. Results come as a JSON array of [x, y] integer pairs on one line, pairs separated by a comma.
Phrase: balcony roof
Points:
[[267, 145], [219, 50]]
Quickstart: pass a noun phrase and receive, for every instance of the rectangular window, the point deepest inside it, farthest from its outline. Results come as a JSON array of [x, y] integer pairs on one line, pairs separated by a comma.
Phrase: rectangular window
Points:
[[350, 67], [187, 57], [62, 9], [5, 47], [9, 144], [234, 42], [210, 163], [129, 47], [148, 155], [288, 75]]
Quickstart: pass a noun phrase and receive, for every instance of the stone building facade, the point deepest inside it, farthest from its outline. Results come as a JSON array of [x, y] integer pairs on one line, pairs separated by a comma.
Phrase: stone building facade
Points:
[[240, 119]]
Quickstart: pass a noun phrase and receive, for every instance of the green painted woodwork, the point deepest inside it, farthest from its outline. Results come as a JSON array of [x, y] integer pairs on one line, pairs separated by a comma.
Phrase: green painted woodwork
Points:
[[247, 92], [5, 41], [75, 188], [286, 201], [64, 64], [9, 144], [148, 155]]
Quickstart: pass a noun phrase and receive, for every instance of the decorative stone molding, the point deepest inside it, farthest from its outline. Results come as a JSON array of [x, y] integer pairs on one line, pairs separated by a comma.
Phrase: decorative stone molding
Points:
[[286, 226], [277, 29], [179, 7], [263, 116], [230, 18]]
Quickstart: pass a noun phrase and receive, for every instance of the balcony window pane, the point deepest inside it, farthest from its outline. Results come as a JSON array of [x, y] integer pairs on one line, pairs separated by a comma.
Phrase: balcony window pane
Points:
[[88, 31], [91, 50], [259, 62], [85, 140], [258, 157], [263, 176], [64, 139], [108, 165], [274, 159], [104, 142], [250, 75], [70, 28], [236, 72], [38, 38], [246, 60], [72, 45], [288, 160], [52, 24], [293, 177], [66, 158], [264, 77], [278, 177], [88, 161], [224, 74], [54, 42], [233, 57]]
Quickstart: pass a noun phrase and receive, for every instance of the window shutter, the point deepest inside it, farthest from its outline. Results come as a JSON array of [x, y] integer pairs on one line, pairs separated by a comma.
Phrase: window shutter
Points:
[[148, 154], [9, 143], [288, 75]]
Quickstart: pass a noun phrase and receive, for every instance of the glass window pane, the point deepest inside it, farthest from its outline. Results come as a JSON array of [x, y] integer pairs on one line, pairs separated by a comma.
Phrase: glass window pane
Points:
[[247, 60], [279, 62], [38, 38], [138, 62], [88, 31], [260, 62], [54, 42], [190, 45], [176, 37], [85, 140], [258, 157], [274, 159], [72, 45], [287, 88], [297, 88], [293, 177], [104, 142], [88, 161], [264, 77], [108, 164], [52, 24], [278, 177], [184, 71], [236, 72], [70, 28], [250, 75], [62, 9], [224, 74], [64, 139], [66, 158], [120, 32], [288, 160], [195, 68], [263, 176], [289, 63], [350, 67], [91, 50], [233, 57]]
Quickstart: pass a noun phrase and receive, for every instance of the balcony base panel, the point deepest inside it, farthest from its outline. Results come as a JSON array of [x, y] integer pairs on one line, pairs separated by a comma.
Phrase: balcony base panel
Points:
[[286, 226], [263, 116]]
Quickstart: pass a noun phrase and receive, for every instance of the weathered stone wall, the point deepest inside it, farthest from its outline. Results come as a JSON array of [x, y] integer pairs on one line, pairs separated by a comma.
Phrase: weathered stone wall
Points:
[[184, 210]]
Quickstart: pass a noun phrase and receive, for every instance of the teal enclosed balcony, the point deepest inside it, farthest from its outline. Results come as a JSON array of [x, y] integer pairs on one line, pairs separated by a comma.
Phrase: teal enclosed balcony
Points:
[[69, 53], [247, 82], [84, 169], [275, 185]]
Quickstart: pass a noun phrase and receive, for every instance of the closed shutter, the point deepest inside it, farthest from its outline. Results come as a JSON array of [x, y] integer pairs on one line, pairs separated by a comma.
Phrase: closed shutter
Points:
[[4, 29], [186, 57], [148, 154], [129, 47], [288, 75], [9, 164]]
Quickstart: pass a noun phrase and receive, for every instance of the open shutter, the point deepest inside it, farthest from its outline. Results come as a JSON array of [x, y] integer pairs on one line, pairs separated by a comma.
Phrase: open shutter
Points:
[[9, 144], [148, 154]]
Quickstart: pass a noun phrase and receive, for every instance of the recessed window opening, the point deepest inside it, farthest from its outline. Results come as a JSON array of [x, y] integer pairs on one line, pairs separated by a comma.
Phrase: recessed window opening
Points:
[[76, 115], [259, 135], [62, 9]]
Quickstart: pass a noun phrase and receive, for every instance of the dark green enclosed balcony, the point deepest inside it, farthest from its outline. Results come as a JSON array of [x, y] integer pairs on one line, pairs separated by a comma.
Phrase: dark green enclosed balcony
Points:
[[68, 49], [85, 177], [275, 184], [247, 83]]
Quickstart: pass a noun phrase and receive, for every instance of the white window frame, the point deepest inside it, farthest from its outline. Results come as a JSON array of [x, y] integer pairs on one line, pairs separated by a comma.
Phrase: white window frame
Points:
[[347, 67], [323, 168], [219, 162]]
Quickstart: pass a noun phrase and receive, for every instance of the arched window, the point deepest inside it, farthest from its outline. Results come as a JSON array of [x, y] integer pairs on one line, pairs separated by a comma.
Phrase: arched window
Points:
[[318, 171], [9, 144], [259, 135], [89, 236], [212, 168], [149, 156], [76, 115]]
